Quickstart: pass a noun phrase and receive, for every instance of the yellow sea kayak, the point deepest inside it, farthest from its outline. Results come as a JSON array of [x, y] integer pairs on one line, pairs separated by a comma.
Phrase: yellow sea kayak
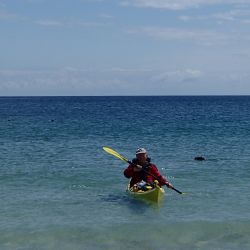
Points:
[[155, 194]]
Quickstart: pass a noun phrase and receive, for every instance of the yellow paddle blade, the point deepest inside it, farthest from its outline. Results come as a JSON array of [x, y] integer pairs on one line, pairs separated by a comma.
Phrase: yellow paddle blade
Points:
[[114, 153]]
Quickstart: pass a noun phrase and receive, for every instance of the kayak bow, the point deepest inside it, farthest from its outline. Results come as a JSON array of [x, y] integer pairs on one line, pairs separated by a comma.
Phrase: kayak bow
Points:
[[154, 195]]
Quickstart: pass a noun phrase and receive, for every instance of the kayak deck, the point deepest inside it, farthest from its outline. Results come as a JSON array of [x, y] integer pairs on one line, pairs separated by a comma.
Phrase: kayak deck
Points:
[[155, 194]]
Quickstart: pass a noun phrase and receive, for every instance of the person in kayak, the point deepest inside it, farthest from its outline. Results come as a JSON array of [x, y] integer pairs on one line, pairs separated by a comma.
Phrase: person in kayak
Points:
[[142, 169]]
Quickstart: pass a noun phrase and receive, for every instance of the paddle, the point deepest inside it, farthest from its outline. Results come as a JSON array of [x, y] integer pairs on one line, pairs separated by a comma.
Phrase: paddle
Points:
[[114, 153]]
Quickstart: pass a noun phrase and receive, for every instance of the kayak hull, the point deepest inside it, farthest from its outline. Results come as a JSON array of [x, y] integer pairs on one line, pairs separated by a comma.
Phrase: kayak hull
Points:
[[154, 195]]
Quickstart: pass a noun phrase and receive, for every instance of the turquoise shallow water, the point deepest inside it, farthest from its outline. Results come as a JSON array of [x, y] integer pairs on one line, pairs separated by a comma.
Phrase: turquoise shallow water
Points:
[[60, 190]]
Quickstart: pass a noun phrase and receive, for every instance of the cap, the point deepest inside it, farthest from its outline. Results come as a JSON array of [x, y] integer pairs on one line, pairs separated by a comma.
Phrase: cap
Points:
[[140, 151]]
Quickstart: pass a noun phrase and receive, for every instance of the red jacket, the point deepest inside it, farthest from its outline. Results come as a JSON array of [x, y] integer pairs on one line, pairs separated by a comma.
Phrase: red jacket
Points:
[[142, 175]]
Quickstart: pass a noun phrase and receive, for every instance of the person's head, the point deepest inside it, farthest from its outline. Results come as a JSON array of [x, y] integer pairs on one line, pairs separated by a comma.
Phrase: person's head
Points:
[[141, 155]]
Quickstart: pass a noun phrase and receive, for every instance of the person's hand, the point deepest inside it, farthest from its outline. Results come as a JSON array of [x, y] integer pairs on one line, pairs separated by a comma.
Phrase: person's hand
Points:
[[137, 168], [169, 185]]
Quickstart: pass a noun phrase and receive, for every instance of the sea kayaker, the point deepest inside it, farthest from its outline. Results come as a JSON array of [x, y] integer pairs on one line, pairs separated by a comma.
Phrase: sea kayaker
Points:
[[143, 170]]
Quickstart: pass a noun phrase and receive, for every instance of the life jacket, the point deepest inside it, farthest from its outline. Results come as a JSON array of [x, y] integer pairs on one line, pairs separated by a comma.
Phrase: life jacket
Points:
[[146, 166], [147, 163]]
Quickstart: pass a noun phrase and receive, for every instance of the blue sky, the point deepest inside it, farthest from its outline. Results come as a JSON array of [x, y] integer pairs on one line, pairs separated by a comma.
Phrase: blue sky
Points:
[[124, 47]]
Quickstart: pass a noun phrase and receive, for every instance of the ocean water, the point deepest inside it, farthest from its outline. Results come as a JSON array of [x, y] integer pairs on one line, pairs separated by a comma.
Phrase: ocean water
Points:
[[60, 190]]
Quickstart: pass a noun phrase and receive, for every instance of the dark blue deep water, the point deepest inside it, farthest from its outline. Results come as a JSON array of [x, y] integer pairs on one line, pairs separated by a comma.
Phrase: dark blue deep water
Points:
[[60, 190]]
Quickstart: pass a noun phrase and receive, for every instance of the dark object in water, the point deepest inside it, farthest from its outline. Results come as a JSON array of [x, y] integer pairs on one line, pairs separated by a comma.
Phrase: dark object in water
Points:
[[199, 158]]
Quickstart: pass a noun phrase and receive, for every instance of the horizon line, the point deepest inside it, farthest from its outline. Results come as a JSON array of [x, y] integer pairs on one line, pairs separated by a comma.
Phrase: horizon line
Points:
[[189, 95]]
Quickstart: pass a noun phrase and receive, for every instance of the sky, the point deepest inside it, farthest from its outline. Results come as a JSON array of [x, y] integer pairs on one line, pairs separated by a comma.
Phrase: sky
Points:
[[124, 47]]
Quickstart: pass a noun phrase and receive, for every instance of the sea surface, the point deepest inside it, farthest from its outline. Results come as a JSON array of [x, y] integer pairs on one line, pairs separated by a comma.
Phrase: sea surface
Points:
[[60, 190]]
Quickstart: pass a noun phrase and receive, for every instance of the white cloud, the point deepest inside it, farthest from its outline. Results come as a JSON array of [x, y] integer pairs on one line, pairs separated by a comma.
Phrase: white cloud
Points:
[[2, 4], [92, 1], [246, 21], [234, 15], [185, 18], [240, 15], [52, 23], [180, 4], [204, 37], [106, 16], [87, 24], [127, 70], [67, 81], [91, 24], [72, 81], [7, 16], [70, 24], [178, 76], [100, 21]]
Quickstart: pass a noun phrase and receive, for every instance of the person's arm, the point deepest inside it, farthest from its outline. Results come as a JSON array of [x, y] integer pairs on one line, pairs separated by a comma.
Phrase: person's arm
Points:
[[128, 172], [131, 169], [160, 178]]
